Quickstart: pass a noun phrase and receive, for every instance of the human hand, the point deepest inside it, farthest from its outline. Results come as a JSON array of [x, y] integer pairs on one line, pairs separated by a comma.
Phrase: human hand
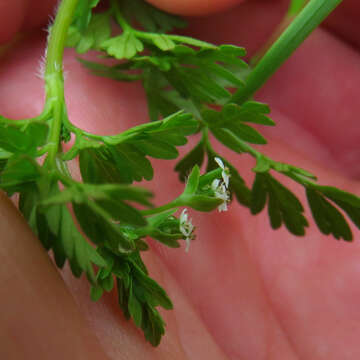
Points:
[[243, 291]]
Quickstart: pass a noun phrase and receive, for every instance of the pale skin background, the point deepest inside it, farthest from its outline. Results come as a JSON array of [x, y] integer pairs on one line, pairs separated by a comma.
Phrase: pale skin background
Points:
[[243, 291]]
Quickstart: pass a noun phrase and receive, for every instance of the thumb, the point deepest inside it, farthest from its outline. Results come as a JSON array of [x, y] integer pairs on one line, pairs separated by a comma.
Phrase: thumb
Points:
[[194, 7]]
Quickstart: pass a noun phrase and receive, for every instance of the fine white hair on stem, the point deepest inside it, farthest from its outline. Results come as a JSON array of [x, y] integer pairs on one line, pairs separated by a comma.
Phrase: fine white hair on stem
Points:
[[40, 73]]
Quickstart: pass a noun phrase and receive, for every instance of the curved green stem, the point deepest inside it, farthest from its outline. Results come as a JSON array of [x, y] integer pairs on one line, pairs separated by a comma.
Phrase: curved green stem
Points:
[[119, 17], [303, 25], [45, 114], [146, 35], [54, 81], [158, 210]]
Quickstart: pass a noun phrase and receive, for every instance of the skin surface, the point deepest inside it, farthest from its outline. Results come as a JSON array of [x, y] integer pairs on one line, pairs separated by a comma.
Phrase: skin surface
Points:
[[194, 8], [243, 291]]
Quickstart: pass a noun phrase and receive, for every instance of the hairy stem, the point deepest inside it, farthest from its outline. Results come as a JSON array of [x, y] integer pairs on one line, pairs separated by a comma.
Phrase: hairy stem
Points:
[[54, 81], [303, 25]]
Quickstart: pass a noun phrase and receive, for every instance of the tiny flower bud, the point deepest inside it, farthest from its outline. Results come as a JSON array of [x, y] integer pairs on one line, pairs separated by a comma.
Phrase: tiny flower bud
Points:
[[186, 228], [225, 171]]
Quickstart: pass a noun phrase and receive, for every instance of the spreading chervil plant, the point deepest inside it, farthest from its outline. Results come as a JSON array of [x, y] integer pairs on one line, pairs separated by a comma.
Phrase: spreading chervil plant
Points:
[[192, 88]]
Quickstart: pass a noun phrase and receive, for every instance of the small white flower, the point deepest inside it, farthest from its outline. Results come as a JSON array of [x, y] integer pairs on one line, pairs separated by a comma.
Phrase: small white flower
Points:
[[186, 228], [41, 69], [220, 187], [225, 171], [222, 193]]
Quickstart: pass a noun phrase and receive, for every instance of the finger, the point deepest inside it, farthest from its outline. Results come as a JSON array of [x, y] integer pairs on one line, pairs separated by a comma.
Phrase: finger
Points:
[[194, 7], [38, 316], [186, 335]]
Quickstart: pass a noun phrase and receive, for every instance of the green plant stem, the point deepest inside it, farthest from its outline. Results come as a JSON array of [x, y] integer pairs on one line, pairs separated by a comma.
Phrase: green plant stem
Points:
[[145, 35], [303, 25], [158, 210], [257, 155], [301, 180], [119, 17], [54, 80], [21, 122], [176, 38]]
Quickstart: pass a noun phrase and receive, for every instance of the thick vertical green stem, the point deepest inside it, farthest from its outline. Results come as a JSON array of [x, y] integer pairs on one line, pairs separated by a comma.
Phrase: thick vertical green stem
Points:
[[54, 81], [308, 20]]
